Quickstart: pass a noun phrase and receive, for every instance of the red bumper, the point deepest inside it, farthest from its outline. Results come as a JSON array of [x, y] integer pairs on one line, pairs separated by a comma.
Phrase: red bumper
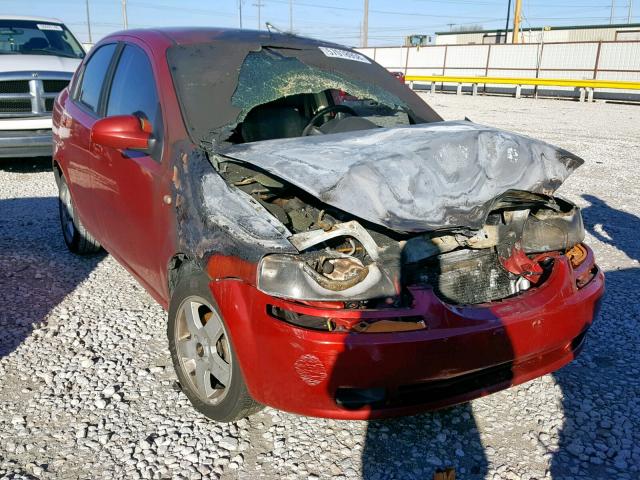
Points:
[[464, 353]]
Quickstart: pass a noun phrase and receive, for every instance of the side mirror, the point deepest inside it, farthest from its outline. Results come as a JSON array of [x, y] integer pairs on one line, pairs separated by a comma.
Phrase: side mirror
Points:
[[124, 132]]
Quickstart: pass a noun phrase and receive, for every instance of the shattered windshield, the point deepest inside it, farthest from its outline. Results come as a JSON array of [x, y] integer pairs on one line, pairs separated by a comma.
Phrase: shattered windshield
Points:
[[243, 87], [267, 76]]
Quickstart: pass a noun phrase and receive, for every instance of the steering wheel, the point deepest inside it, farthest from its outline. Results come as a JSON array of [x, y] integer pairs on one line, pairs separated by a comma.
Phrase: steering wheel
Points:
[[311, 126]]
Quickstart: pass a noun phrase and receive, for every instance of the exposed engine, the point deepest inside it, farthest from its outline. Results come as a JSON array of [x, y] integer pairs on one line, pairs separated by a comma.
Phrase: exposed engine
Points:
[[368, 265]]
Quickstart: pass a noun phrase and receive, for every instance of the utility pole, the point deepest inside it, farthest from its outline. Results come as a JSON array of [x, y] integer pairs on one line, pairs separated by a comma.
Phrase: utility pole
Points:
[[506, 28], [290, 16], [125, 21], [259, 4], [613, 11], [365, 24], [86, 3], [516, 22], [240, 13], [630, 14]]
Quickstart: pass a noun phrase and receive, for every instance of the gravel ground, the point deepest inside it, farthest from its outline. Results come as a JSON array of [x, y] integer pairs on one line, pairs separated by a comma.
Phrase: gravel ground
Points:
[[87, 388]]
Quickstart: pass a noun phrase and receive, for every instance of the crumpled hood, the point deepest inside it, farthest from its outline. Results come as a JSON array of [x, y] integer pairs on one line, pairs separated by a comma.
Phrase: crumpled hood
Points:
[[38, 63], [417, 178]]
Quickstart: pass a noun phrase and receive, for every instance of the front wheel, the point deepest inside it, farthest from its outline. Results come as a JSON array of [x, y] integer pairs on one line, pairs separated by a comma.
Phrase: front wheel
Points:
[[76, 237], [203, 356]]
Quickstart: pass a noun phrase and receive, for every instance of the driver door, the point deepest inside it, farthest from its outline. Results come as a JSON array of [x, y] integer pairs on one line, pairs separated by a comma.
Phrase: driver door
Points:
[[131, 185]]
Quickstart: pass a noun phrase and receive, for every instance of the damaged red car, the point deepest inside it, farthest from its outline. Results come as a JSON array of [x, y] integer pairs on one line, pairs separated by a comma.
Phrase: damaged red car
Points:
[[323, 241]]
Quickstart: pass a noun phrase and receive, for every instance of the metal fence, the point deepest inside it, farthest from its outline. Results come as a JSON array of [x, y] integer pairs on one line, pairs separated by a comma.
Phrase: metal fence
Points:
[[619, 60]]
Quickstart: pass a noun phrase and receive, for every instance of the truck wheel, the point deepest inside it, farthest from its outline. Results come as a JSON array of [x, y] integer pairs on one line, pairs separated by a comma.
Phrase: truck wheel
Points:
[[76, 237], [203, 356]]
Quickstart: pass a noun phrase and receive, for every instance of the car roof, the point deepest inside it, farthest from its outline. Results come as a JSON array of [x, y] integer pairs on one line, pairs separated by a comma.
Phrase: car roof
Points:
[[193, 35], [30, 18]]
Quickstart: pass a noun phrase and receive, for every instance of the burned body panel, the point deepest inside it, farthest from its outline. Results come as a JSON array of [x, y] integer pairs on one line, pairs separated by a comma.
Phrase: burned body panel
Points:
[[417, 178], [214, 218]]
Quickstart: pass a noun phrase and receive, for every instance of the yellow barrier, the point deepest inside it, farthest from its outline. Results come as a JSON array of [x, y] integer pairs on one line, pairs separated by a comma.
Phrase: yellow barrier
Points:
[[556, 82]]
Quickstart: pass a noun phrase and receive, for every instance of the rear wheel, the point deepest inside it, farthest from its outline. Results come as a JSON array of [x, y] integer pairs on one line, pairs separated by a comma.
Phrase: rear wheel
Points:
[[76, 237], [203, 355]]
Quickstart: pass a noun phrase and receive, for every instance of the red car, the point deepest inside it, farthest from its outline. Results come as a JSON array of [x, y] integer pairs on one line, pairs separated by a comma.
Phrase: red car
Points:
[[341, 260], [399, 76]]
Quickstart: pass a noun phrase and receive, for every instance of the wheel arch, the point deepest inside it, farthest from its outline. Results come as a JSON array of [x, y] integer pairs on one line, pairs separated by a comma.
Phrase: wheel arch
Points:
[[180, 264], [57, 171]]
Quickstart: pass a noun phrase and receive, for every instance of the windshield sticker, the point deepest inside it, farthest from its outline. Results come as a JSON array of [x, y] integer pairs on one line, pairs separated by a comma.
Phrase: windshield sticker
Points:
[[345, 54], [49, 26]]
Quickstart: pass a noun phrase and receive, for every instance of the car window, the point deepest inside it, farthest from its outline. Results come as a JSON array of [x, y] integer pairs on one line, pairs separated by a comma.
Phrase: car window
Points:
[[133, 90], [93, 76]]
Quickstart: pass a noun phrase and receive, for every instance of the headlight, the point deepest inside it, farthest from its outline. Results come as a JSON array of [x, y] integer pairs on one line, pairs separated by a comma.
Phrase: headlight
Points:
[[322, 277], [549, 230]]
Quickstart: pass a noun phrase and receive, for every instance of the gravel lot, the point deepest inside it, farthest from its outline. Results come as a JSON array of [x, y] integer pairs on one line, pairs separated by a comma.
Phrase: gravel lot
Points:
[[87, 388]]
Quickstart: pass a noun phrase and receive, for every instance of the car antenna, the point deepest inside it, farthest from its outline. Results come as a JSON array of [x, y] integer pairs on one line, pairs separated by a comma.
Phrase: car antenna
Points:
[[276, 29]]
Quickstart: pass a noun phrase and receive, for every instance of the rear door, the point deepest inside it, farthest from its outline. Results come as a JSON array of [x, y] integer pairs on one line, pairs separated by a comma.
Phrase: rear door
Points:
[[82, 111], [130, 185]]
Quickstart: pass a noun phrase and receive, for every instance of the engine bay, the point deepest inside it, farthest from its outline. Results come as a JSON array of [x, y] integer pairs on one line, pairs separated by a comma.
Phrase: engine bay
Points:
[[370, 266]]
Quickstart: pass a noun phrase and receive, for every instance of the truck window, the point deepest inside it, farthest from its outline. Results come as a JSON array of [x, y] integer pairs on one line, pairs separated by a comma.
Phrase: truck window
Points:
[[30, 37]]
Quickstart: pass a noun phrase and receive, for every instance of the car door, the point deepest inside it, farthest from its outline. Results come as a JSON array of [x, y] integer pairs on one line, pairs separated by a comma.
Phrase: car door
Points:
[[82, 110], [131, 186]]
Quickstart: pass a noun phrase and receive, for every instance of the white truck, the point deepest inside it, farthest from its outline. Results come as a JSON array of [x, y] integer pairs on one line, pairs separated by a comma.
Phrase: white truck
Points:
[[37, 59]]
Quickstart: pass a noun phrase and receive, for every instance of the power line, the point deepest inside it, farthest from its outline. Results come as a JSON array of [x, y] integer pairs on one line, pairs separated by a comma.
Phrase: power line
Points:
[[506, 28], [384, 12], [86, 2], [161, 7], [613, 11], [259, 4], [365, 24], [125, 20]]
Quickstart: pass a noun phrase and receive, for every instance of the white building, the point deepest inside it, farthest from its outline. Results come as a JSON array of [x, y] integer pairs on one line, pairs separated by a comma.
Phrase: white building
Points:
[[576, 33]]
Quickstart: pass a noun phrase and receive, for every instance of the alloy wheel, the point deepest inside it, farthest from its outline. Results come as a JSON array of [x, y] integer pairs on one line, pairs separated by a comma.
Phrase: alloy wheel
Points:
[[203, 349], [66, 214]]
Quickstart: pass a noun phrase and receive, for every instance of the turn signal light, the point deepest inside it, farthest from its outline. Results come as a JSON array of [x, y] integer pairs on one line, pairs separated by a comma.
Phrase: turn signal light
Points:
[[577, 255]]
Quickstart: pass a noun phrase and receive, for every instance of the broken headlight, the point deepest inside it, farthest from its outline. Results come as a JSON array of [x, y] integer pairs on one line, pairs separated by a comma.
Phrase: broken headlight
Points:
[[548, 229], [322, 278]]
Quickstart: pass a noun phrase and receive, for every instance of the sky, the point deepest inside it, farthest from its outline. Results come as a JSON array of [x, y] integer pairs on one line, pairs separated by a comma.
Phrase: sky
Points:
[[333, 20]]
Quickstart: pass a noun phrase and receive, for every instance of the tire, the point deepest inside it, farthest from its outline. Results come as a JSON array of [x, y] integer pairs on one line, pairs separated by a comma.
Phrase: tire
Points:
[[76, 237], [203, 356]]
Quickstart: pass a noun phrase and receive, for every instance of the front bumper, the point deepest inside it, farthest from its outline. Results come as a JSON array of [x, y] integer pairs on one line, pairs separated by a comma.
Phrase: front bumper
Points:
[[25, 143], [464, 353]]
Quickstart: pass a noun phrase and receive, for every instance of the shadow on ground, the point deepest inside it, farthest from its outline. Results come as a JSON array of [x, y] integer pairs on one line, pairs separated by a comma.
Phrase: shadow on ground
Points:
[[26, 165], [601, 388], [613, 227], [600, 394], [403, 448], [36, 270]]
